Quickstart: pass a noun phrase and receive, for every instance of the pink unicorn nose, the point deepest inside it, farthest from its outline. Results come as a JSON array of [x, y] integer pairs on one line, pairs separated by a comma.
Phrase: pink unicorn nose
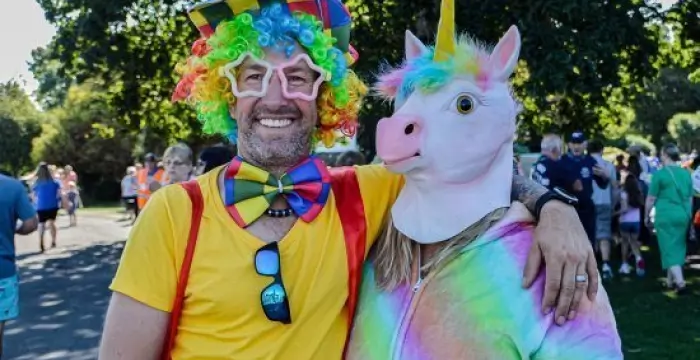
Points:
[[398, 137]]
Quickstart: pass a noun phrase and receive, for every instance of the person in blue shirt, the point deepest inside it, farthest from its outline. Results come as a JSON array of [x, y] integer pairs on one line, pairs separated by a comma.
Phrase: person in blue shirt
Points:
[[47, 201], [17, 216], [548, 170], [585, 168]]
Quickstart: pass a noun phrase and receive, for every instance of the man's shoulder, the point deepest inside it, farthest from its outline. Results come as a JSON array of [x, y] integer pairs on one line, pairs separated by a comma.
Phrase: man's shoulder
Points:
[[171, 196], [374, 172], [611, 167], [567, 159], [12, 187], [10, 183]]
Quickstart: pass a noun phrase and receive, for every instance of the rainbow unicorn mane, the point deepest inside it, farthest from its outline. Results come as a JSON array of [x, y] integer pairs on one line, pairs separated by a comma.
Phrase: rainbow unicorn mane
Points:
[[423, 73]]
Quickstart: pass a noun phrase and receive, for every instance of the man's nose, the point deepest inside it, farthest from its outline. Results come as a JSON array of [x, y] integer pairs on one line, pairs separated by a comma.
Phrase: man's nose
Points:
[[274, 93]]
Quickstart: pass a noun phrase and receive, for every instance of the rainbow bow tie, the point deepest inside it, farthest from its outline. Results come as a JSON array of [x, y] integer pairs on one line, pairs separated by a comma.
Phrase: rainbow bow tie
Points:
[[249, 190]]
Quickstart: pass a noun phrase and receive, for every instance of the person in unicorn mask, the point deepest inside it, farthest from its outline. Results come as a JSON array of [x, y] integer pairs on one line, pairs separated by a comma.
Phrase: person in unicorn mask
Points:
[[445, 280], [260, 258]]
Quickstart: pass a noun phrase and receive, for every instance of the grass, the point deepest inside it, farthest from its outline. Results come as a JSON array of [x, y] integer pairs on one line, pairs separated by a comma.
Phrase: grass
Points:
[[654, 323]]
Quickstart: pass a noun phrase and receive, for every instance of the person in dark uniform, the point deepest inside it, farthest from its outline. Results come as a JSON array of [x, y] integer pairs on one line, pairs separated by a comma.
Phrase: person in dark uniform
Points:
[[585, 168], [549, 172]]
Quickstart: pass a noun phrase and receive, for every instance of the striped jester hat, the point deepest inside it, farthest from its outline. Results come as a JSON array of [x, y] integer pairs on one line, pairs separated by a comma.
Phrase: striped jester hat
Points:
[[334, 15]]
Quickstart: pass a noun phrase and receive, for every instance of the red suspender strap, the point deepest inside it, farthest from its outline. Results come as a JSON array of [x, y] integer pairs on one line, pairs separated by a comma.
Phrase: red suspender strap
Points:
[[195, 194], [346, 191]]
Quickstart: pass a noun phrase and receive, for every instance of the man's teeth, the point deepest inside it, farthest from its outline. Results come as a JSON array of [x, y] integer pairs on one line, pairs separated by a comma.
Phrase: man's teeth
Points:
[[275, 123]]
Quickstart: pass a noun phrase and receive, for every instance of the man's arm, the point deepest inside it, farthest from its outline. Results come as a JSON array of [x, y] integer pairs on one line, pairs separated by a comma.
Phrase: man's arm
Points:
[[144, 287], [133, 330], [600, 176], [601, 181], [28, 226], [562, 245], [527, 192]]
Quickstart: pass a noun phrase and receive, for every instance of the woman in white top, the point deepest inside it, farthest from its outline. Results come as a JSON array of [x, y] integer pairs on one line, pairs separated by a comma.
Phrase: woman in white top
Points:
[[631, 201], [129, 193]]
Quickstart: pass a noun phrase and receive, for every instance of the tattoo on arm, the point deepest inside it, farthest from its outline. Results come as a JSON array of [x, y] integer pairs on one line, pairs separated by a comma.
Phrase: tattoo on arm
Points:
[[527, 192]]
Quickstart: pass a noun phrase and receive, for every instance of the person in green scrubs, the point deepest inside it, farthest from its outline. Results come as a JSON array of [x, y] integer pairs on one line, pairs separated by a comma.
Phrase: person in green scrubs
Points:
[[671, 193]]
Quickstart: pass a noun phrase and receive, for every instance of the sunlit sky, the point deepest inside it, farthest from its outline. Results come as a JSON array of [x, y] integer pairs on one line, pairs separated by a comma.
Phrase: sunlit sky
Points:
[[25, 28]]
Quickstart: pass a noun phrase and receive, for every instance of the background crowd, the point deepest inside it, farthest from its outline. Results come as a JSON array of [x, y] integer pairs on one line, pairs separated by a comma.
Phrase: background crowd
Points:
[[630, 201]]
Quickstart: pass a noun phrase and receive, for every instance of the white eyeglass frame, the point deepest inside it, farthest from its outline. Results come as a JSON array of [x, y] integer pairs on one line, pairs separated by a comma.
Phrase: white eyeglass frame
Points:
[[228, 71]]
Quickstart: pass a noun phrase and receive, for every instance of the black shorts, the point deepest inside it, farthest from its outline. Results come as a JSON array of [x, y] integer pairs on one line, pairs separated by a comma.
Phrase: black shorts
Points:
[[130, 202], [45, 215]]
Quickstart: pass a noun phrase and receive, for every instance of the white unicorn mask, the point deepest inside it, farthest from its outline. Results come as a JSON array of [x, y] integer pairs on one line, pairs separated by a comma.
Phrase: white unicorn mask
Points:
[[452, 133]]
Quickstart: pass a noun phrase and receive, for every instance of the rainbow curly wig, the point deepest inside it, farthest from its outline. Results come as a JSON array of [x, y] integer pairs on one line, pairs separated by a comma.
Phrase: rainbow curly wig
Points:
[[203, 86]]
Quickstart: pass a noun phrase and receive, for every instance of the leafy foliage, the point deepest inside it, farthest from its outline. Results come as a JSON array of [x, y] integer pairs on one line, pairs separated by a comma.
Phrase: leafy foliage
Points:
[[84, 133], [571, 60], [132, 45], [582, 61], [671, 93], [684, 19], [19, 123], [685, 130]]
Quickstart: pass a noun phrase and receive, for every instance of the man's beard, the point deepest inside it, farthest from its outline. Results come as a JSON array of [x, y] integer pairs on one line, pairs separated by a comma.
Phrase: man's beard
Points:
[[280, 153]]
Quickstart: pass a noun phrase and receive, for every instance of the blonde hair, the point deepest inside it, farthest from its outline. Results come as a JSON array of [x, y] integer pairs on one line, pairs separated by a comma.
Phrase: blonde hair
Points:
[[394, 251]]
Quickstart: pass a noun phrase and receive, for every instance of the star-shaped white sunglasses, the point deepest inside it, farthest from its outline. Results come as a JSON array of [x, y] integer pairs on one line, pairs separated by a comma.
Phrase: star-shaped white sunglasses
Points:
[[300, 78]]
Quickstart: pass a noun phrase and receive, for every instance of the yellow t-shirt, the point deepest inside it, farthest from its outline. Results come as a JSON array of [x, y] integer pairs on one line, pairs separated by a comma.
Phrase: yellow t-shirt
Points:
[[222, 316]]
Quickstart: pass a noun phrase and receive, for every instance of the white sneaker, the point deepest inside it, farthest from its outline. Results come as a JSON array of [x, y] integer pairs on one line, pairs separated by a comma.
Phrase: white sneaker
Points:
[[607, 272], [625, 269]]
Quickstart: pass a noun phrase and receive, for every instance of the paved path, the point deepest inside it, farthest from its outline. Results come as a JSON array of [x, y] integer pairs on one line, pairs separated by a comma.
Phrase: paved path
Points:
[[63, 293]]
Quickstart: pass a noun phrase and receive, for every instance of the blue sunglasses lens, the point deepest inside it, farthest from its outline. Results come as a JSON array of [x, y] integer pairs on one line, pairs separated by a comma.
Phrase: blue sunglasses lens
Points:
[[274, 303], [267, 262], [273, 295]]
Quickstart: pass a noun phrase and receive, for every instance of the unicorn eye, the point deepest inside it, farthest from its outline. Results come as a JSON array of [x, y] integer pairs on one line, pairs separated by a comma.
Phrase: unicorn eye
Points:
[[465, 104]]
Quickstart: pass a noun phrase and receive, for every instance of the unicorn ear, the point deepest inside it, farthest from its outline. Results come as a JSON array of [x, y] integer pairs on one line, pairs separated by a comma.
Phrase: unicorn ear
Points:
[[414, 47], [504, 57]]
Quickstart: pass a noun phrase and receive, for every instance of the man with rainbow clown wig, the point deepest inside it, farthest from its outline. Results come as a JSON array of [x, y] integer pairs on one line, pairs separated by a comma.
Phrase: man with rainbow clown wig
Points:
[[444, 280], [262, 257]]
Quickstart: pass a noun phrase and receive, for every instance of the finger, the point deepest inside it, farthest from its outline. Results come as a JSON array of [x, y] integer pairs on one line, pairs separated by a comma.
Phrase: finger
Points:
[[552, 284], [580, 289], [566, 293], [532, 266], [592, 271]]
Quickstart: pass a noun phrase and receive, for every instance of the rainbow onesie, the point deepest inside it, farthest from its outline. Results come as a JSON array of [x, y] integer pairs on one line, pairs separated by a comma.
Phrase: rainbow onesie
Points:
[[474, 307]]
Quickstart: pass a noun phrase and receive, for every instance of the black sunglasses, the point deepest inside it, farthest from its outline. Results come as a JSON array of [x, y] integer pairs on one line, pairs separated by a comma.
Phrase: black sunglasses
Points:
[[273, 298]]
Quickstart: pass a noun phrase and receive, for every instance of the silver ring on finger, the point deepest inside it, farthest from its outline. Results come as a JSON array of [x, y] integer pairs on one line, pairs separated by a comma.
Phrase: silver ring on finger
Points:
[[581, 278]]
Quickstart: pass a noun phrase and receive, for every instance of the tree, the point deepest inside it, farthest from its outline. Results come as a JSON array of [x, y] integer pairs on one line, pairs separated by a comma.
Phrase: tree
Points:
[[572, 56], [83, 132], [683, 19], [132, 45], [53, 87], [685, 130], [13, 146], [671, 93], [19, 124]]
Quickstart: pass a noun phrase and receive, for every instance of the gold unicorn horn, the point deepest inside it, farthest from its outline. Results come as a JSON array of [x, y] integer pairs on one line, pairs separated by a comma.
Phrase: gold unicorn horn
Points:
[[445, 43]]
